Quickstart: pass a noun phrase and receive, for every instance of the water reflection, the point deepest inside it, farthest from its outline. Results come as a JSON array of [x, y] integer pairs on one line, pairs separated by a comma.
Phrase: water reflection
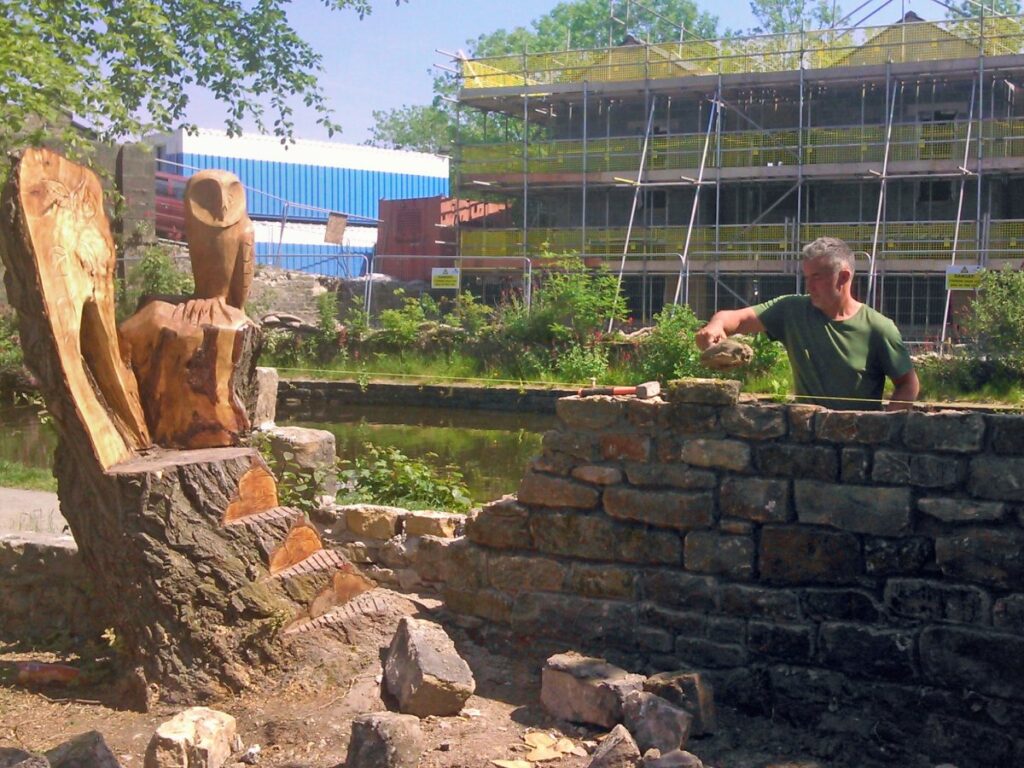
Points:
[[24, 440]]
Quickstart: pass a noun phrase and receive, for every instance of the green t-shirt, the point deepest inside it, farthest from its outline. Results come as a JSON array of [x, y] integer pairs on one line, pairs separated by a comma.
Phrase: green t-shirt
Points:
[[836, 358]]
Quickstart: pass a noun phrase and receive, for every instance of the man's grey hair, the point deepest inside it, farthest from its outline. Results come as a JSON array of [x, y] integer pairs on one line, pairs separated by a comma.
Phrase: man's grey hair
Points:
[[833, 251]]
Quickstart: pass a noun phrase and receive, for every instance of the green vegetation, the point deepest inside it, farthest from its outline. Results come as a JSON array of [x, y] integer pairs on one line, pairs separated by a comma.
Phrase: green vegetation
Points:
[[385, 475], [155, 274], [15, 475]]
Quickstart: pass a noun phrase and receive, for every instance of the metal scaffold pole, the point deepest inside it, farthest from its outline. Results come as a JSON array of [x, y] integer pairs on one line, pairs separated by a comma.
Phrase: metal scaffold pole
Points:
[[881, 190]]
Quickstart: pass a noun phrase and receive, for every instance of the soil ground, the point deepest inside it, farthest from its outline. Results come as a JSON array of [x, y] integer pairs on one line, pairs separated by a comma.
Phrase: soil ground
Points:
[[301, 716]]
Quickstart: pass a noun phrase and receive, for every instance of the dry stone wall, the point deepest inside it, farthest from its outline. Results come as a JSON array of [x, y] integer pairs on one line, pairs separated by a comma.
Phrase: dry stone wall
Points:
[[855, 572]]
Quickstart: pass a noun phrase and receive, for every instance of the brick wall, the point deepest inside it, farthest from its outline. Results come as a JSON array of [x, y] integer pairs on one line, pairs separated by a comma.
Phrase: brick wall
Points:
[[860, 573]]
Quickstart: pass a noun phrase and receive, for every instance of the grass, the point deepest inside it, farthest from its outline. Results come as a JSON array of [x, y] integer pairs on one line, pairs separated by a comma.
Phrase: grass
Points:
[[15, 475]]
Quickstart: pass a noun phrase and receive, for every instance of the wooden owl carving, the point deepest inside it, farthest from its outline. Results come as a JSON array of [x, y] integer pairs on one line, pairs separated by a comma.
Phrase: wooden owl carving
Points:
[[220, 237]]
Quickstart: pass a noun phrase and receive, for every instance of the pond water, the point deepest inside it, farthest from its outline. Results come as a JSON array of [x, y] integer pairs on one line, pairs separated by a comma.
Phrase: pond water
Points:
[[490, 449]]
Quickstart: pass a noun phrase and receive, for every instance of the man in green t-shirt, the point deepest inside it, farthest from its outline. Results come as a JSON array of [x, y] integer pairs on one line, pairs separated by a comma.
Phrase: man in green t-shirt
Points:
[[840, 350]]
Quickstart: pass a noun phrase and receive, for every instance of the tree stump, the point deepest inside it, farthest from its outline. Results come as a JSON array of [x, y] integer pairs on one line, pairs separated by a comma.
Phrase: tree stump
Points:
[[179, 542]]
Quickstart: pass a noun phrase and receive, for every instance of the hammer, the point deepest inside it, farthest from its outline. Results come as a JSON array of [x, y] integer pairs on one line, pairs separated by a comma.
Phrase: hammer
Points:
[[643, 391]]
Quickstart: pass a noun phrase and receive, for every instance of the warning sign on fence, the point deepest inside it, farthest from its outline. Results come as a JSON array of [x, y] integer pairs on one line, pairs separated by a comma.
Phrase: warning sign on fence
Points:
[[964, 277], [444, 277]]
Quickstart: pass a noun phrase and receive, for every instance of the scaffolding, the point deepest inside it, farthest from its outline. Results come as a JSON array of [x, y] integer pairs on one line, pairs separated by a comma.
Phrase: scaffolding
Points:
[[905, 140]]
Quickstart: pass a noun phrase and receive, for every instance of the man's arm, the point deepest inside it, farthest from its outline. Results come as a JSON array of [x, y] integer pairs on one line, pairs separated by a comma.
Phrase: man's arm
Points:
[[904, 393], [727, 322]]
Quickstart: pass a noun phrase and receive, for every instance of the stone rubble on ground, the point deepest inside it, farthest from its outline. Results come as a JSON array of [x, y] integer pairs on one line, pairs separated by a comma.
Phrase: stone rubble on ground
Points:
[[198, 737], [677, 758], [584, 689], [618, 750], [424, 672], [385, 740], [689, 691], [655, 723]]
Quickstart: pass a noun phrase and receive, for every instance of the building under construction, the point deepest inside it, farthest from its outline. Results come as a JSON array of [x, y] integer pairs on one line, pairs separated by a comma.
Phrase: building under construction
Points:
[[721, 158]]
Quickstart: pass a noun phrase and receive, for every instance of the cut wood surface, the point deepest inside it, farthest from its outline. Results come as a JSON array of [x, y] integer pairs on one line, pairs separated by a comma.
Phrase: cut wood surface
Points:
[[60, 262]]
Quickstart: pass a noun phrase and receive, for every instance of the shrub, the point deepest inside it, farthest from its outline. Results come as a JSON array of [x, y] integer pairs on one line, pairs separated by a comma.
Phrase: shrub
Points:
[[669, 351], [580, 364], [997, 314], [385, 475], [154, 274]]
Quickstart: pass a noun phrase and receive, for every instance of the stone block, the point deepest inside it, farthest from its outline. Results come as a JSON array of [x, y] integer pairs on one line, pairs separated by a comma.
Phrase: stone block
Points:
[[676, 589], [306, 451], [385, 740], [743, 600], [603, 581], [676, 758], [946, 431], [398, 552], [580, 445], [424, 672], [266, 397], [704, 391], [545, 491], [931, 601], [447, 525], [1007, 434], [755, 498], [372, 521], [855, 465], [689, 419], [924, 470], [736, 527], [597, 475], [985, 555], [858, 508], [798, 555], [755, 422], [1008, 613], [624, 446], [715, 553], [899, 556], [489, 604], [815, 462], [654, 722], [840, 605], [987, 662], [994, 477], [962, 510], [693, 623], [617, 750], [502, 524], [516, 573], [583, 689], [708, 653], [593, 413], [717, 454], [579, 620], [654, 639], [597, 537], [670, 476], [691, 692], [801, 422], [866, 428], [645, 413], [726, 629], [198, 736], [665, 509], [867, 651], [783, 642], [553, 463]]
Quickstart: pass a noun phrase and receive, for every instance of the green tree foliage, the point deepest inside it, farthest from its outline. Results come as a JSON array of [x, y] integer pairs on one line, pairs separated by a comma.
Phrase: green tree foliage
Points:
[[997, 316], [968, 8], [124, 67], [383, 475], [778, 17], [573, 24]]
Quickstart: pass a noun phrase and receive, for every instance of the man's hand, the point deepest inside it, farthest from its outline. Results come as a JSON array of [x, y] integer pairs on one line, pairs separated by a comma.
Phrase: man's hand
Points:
[[710, 334]]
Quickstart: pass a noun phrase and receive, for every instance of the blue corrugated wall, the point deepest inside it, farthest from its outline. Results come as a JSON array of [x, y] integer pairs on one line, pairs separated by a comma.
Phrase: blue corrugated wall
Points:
[[327, 260], [354, 192]]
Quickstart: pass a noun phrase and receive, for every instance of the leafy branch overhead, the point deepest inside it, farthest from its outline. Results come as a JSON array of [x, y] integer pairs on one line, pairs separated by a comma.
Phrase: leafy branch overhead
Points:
[[125, 67]]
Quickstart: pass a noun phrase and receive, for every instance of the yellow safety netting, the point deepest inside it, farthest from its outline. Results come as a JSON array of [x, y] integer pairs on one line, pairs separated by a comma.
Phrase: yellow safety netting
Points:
[[823, 49]]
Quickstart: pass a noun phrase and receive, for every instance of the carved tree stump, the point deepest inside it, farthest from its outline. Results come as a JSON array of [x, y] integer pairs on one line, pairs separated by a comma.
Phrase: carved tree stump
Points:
[[180, 543]]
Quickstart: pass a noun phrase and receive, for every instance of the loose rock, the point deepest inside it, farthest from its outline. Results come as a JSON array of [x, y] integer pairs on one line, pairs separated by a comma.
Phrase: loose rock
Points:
[[689, 691], [677, 758], [88, 750], [583, 689], [385, 740], [424, 672], [618, 750], [655, 723], [196, 738]]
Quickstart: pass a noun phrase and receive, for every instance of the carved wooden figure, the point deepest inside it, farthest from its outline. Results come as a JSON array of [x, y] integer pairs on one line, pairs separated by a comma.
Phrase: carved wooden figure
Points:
[[59, 239]]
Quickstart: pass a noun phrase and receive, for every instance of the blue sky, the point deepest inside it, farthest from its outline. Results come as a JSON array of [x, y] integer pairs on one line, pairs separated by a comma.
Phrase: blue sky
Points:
[[385, 60]]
